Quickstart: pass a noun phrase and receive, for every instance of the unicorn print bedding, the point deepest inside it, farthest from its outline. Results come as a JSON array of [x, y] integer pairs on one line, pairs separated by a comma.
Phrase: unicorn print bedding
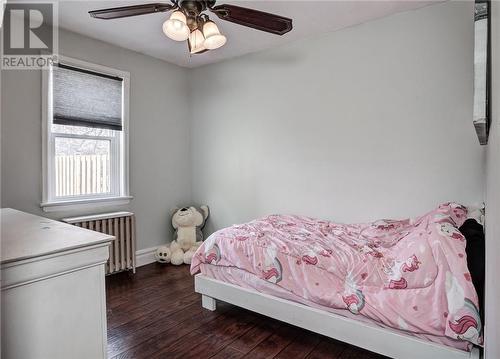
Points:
[[408, 274]]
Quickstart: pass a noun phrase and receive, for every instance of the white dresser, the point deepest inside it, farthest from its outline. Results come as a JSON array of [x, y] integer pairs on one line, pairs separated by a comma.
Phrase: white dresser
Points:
[[53, 291]]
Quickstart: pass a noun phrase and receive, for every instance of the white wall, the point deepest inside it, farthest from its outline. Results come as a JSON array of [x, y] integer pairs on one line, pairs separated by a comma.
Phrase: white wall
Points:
[[370, 121], [362, 123], [159, 136], [492, 339]]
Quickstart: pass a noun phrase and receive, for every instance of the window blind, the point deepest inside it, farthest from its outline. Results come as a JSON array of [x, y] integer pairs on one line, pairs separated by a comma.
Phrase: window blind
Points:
[[86, 98]]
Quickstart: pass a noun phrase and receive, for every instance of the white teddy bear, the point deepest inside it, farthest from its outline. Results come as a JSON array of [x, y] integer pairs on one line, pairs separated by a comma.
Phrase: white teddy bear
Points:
[[188, 223]]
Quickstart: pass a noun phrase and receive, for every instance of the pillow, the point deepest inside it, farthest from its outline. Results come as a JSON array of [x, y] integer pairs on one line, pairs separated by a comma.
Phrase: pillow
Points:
[[476, 212], [474, 236]]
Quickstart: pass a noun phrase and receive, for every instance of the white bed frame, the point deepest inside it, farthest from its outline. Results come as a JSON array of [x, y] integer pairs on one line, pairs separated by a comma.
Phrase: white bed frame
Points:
[[392, 343]]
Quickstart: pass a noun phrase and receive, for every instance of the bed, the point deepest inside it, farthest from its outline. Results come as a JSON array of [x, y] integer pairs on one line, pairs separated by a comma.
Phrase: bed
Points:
[[400, 288]]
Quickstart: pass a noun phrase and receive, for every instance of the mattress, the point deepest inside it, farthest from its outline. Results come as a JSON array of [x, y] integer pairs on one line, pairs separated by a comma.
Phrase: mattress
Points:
[[408, 274], [239, 277]]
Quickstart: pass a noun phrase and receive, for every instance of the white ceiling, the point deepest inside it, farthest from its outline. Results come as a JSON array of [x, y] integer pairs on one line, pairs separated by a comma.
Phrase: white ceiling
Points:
[[143, 33]]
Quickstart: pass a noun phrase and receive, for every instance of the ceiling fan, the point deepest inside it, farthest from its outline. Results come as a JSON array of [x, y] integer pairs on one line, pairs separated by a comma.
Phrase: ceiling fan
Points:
[[189, 21]]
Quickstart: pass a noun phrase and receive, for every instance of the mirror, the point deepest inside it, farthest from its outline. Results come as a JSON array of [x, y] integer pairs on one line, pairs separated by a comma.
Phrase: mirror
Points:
[[481, 115]]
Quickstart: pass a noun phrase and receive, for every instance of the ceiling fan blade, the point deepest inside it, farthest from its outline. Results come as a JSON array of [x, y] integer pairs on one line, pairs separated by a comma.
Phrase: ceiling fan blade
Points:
[[134, 10], [255, 19]]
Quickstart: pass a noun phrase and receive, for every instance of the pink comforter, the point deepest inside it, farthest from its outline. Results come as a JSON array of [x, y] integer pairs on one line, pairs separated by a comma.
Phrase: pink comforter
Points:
[[406, 274]]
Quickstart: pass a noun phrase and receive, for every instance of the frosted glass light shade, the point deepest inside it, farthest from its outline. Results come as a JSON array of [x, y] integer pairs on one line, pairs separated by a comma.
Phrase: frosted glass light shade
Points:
[[196, 42], [176, 27], [213, 38]]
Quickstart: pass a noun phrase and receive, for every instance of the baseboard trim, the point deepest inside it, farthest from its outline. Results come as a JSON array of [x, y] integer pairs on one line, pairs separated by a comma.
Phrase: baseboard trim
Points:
[[145, 256]]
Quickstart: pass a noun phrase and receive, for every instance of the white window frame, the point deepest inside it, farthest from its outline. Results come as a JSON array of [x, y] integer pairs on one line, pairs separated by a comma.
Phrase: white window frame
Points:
[[119, 172]]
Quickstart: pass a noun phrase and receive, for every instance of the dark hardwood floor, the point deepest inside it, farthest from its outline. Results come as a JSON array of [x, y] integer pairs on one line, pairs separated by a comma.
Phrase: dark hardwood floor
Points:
[[156, 314]]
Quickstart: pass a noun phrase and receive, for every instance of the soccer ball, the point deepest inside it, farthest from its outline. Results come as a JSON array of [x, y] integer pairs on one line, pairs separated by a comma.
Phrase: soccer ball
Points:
[[162, 254]]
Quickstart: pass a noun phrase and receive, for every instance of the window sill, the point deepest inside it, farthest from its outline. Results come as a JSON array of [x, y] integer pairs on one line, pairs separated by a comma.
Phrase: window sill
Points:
[[84, 204]]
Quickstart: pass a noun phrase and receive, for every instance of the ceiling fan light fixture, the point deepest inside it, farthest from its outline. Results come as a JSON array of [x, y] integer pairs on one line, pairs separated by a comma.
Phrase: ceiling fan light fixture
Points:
[[213, 38], [196, 42], [176, 27], [189, 20]]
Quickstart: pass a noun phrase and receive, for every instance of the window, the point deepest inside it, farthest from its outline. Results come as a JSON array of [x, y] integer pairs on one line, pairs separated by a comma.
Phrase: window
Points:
[[85, 135]]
